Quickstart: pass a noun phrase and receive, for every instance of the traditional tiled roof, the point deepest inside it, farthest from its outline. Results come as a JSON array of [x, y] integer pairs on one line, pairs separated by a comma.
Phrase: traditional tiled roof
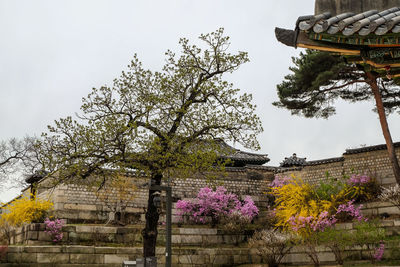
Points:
[[368, 38], [245, 158], [323, 161], [253, 167], [288, 169], [369, 22], [345, 33], [293, 161], [368, 149]]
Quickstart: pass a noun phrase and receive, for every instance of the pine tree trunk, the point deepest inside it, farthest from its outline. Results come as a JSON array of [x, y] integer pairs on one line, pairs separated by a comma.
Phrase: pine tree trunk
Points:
[[150, 232], [385, 128]]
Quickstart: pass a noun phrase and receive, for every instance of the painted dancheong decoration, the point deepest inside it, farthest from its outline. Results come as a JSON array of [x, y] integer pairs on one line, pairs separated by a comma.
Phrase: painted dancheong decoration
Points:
[[370, 37]]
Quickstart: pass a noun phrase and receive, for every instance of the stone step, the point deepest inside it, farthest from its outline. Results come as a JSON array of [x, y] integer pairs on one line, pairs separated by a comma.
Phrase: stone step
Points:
[[89, 234], [89, 256]]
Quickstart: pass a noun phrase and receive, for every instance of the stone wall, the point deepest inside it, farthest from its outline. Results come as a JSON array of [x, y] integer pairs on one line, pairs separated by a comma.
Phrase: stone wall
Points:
[[34, 234], [73, 256], [373, 161], [78, 202], [189, 249]]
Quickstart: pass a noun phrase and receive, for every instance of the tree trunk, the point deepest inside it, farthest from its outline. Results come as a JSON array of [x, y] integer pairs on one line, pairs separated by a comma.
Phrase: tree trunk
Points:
[[150, 232], [385, 128]]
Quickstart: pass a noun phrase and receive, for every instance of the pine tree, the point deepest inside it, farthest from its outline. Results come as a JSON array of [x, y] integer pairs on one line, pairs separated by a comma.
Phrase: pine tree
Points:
[[319, 78]]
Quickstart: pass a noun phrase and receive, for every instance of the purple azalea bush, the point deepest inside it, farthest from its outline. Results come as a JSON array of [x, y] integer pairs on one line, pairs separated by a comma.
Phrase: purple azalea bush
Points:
[[54, 229], [280, 181], [358, 180], [379, 252], [215, 204], [348, 211], [319, 223]]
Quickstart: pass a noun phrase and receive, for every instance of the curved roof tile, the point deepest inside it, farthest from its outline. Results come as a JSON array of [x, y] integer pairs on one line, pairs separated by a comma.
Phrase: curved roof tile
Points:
[[324, 161], [293, 161], [369, 22], [368, 149]]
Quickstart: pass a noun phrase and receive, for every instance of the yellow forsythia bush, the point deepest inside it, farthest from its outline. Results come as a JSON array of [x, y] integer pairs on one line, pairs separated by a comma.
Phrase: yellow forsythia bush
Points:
[[25, 210], [297, 199]]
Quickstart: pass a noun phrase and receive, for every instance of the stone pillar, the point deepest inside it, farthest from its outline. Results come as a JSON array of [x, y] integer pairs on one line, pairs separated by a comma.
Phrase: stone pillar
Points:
[[355, 6]]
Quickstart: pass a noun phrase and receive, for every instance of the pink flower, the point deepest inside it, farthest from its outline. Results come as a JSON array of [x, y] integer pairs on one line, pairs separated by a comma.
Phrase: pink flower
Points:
[[215, 204], [379, 251], [54, 228], [315, 224], [280, 181], [357, 180], [350, 210]]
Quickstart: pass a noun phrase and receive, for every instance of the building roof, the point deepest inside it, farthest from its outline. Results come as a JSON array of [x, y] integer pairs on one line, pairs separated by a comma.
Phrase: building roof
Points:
[[324, 161], [293, 161], [242, 158], [370, 37], [365, 23], [36, 177], [356, 6], [368, 149]]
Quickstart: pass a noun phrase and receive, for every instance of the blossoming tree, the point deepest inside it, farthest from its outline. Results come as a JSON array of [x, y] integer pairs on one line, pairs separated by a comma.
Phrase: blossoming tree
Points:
[[156, 122]]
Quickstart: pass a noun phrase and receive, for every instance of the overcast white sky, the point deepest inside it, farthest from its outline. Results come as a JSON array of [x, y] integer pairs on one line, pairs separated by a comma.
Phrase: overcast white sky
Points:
[[53, 52]]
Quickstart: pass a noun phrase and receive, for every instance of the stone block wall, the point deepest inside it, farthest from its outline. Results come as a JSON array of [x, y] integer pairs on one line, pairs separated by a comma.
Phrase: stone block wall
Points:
[[72, 256], [34, 234], [375, 163], [77, 202], [189, 249]]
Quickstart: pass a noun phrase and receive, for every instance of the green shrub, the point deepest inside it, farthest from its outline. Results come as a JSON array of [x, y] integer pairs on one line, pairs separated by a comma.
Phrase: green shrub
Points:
[[336, 240], [370, 235]]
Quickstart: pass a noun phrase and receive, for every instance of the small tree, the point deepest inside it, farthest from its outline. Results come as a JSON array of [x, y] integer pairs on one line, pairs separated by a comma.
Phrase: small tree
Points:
[[116, 195], [271, 245], [391, 194], [337, 240], [371, 235], [319, 78], [157, 122]]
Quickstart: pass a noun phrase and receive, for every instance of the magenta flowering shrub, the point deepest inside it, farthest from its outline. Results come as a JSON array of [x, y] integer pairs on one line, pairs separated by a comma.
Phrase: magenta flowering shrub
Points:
[[280, 181], [362, 188], [349, 211], [54, 229], [379, 252], [304, 225], [215, 205], [307, 225], [248, 208], [357, 180]]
